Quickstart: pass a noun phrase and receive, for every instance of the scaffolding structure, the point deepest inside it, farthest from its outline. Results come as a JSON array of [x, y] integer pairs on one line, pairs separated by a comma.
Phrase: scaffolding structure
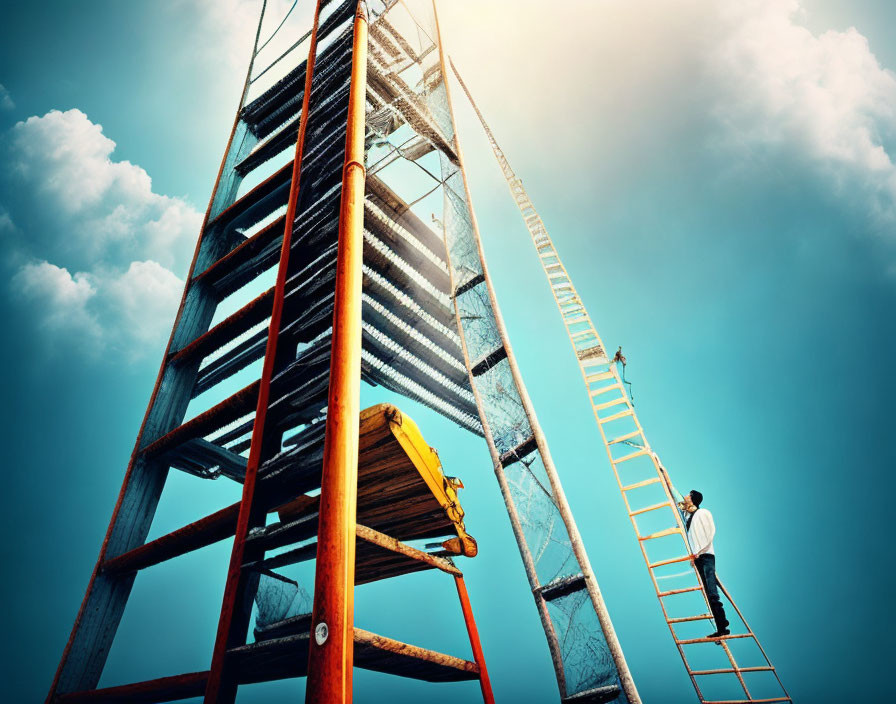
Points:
[[315, 269]]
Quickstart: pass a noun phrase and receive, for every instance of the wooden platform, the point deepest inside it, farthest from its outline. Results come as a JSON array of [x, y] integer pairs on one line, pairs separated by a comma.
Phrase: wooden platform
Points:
[[401, 488]]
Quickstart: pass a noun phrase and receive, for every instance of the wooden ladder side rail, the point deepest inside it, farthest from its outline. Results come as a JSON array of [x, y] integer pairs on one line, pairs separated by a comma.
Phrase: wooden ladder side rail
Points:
[[758, 644], [565, 295], [193, 314], [234, 619]]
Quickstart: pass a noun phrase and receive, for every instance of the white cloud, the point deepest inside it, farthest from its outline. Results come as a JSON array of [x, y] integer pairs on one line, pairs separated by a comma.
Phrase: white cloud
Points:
[[6, 102], [60, 299], [6, 223], [107, 206], [128, 312], [826, 97], [145, 300], [731, 84], [78, 210]]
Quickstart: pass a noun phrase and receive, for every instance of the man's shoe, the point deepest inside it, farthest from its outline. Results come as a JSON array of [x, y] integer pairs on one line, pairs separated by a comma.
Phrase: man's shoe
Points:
[[719, 633]]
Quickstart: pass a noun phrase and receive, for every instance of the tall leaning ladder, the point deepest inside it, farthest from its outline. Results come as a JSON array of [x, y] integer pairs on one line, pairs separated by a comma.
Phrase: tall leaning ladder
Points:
[[626, 443]]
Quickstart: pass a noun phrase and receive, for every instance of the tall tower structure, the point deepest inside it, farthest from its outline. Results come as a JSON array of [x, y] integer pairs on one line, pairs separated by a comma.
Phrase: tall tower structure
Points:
[[339, 245]]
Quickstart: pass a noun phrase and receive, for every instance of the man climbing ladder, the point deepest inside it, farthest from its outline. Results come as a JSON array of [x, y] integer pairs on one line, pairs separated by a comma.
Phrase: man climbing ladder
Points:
[[701, 531]]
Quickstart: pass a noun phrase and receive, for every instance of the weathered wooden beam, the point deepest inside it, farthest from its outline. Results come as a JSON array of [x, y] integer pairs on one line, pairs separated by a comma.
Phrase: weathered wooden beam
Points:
[[198, 534], [163, 689], [231, 408], [85, 653], [387, 543], [251, 314], [390, 645]]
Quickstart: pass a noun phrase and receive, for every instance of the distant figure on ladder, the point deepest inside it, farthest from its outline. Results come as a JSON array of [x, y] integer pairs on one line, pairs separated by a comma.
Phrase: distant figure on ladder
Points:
[[620, 359], [701, 530]]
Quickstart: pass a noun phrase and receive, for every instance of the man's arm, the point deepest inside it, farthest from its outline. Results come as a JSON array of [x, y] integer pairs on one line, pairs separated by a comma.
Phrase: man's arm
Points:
[[703, 530]]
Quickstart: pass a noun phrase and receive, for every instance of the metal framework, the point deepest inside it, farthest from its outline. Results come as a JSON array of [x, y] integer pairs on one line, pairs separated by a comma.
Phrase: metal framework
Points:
[[311, 190], [636, 466]]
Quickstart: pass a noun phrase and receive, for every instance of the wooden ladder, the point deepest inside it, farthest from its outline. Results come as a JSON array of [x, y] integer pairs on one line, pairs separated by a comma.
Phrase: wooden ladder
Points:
[[636, 467]]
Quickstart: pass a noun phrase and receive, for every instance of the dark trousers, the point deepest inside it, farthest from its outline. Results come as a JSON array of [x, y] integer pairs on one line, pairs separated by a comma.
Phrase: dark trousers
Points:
[[706, 566]]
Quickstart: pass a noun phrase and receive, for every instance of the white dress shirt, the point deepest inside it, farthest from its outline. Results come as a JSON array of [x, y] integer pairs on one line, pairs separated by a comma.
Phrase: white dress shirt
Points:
[[701, 532]]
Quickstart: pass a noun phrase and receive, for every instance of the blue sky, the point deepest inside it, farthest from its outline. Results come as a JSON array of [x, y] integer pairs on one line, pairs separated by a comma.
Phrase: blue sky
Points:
[[719, 179]]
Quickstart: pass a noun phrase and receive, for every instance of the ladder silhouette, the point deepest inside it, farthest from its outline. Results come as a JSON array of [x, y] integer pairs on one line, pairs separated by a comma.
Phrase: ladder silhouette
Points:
[[636, 467]]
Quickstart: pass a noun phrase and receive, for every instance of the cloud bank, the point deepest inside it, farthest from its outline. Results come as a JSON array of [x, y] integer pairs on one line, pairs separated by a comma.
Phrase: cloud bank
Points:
[[94, 245], [825, 99]]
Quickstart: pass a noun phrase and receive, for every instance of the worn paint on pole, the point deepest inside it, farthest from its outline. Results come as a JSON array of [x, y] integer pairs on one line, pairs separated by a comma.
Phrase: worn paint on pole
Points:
[[331, 650], [484, 682], [628, 684]]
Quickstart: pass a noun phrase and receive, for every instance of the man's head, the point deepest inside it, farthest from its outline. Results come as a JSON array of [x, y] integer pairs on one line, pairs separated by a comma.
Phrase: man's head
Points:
[[693, 500]]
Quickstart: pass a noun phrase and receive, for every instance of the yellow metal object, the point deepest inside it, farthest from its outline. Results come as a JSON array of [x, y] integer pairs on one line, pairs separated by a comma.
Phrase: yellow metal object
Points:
[[426, 461]]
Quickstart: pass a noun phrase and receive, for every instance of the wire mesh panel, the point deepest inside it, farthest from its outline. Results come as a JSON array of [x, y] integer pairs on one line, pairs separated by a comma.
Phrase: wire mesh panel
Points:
[[413, 151]]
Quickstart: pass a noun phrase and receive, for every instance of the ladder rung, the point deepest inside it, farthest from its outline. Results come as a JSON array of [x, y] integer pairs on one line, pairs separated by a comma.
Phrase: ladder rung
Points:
[[679, 591], [605, 389], [610, 404], [216, 417], [671, 561], [581, 333], [731, 671], [617, 416], [747, 701], [630, 456], [690, 641], [646, 482], [685, 619], [600, 376], [639, 511], [598, 695], [663, 533], [623, 438]]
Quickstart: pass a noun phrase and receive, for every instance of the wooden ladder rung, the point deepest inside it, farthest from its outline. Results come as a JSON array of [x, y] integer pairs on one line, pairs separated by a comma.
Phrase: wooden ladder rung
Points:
[[662, 533], [671, 561], [599, 376], [630, 456], [623, 438], [672, 592], [646, 482], [747, 701], [654, 507], [731, 670], [605, 389], [617, 416], [685, 619], [610, 404], [689, 641]]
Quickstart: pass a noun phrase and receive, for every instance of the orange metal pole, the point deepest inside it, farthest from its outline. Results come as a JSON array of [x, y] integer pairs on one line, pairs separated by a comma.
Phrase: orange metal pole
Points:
[[478, 656], [331, 652]]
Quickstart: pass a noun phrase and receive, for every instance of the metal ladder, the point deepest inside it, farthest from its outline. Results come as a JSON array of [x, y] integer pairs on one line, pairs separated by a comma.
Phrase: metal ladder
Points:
[[626, 444]]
